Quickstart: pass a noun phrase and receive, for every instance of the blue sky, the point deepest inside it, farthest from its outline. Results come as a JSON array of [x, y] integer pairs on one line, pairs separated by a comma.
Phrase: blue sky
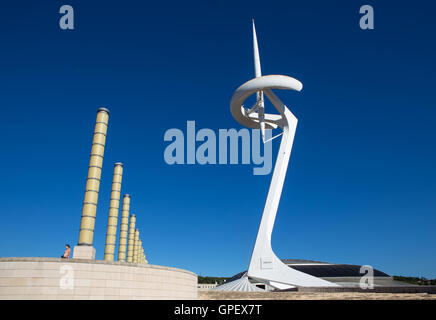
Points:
[[361, 183]]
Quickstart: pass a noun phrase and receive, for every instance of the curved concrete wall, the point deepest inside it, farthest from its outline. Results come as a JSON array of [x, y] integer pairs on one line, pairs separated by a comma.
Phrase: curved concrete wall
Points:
[[52, 278]]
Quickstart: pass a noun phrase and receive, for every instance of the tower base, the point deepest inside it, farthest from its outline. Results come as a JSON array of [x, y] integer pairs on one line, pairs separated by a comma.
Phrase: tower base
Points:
[[84, 252]]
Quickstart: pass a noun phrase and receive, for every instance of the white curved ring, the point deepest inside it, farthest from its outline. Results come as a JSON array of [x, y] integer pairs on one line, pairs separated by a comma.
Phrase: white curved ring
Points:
[[254, 85]]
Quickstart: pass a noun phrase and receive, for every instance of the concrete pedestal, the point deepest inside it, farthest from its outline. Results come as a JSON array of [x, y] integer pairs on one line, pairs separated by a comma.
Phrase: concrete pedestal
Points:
[[84, 252], [78, 279]]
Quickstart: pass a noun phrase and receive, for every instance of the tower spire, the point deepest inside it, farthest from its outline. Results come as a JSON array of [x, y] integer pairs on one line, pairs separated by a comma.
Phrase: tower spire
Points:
[[258, 73], [257, 69]]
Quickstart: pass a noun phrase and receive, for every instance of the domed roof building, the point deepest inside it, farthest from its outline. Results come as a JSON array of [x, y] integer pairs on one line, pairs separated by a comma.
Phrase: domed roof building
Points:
[[344, 275]]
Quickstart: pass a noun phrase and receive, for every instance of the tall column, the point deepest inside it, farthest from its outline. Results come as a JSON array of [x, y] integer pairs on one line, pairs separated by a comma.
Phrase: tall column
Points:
[[84, 249], [140, 252], [111, 234], [143, 256], [136, 247], [122, 246], [131, 238]]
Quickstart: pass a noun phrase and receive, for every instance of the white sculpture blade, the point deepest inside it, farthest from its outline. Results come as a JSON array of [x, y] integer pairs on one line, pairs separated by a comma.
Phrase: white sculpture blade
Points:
[[257, 68], [258, 73]]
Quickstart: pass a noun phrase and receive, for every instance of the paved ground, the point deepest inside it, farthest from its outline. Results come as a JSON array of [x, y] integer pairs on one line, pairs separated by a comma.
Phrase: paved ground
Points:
[[217, 295]]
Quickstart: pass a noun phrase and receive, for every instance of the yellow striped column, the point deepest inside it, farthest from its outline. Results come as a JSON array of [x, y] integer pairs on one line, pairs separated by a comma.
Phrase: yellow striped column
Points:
[[111, 234], [89, 210], [122, 245], [143, 256], [140, 252], [136, 247], [131, 238]]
